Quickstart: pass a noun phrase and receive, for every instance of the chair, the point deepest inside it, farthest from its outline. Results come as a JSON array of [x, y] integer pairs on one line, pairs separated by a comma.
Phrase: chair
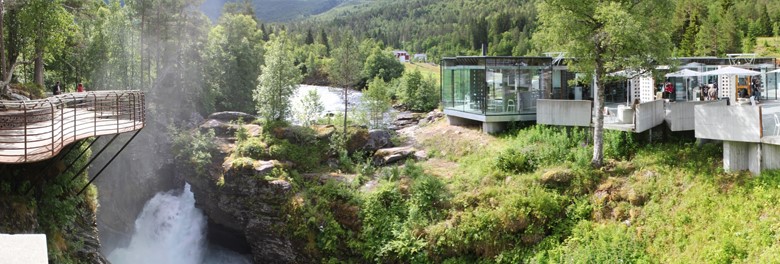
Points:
[[777, 124], [510, 105]]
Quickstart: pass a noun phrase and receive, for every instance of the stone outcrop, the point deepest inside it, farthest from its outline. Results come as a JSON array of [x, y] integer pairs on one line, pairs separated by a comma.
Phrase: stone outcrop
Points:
[[237, 196], [248, 203], [228, 116], [392, 155], [377, 139]]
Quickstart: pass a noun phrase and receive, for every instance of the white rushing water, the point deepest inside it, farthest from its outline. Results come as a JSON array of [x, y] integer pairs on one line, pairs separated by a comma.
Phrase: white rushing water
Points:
[[171, 230]]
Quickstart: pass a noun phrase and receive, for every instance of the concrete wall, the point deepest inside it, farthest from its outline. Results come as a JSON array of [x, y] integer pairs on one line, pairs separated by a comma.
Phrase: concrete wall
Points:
[[728, 123], [563, 112], [682, 114], [648, 115]]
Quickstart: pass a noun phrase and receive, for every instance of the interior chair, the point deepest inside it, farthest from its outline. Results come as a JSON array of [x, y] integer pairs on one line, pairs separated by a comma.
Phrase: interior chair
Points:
[[777, 124]]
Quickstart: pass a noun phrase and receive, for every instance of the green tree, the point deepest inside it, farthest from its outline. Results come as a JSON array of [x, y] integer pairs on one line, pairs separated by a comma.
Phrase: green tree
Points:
[[279, 80], [606, 36], [418, 93], [234, 54], [375, 103], [345, 69], [47, 24], [310, 108], [383, 64]]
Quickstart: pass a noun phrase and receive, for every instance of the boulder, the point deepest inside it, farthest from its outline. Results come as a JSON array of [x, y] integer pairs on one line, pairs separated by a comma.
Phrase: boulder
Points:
[[556, 178], [253, 130], [390, 155], [377, 139], [324, 131], [228, 116], [221, 128]]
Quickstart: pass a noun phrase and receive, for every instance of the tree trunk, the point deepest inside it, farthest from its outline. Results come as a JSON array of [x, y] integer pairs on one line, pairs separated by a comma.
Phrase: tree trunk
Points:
[[38, 72], [598, 117], [345, 115]]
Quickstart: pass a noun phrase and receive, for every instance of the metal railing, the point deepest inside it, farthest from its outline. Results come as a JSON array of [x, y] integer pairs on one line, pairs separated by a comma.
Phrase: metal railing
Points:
[[35, 130]]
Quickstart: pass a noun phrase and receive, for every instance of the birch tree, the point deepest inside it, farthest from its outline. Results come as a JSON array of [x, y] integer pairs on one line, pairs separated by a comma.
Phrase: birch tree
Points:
[[606, 36], [278, 81]]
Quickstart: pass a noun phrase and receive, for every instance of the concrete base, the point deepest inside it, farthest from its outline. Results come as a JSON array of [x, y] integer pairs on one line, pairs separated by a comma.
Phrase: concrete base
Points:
[[459, 121], [492, 127], [487, 127], [739, 156]]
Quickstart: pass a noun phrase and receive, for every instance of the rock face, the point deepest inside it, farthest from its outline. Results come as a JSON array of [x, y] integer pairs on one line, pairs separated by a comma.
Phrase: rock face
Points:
[[238, 197], [377, 139], [248, 204]]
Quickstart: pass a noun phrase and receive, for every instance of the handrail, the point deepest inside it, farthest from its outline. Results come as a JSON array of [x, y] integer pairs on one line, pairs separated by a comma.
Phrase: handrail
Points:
[[35, 130]]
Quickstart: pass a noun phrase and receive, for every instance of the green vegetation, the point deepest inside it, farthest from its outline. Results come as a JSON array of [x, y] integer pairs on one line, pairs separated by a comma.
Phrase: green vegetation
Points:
[[34, 199], [660, 202], [606, 37], [278, 81], [418, 93], [195, 148]]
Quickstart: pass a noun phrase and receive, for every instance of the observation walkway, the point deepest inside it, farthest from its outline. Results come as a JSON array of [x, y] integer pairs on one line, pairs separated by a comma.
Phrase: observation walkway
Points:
[[36, 130]]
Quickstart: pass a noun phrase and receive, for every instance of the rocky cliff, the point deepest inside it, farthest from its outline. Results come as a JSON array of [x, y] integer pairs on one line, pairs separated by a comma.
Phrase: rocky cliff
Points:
[[241, 204]]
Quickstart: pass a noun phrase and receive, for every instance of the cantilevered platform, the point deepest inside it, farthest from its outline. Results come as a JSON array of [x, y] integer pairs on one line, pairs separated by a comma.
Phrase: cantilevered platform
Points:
[[37, 130]]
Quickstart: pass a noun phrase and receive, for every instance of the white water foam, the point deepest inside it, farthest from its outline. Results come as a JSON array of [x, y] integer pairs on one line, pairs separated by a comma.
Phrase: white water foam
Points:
[[171, 230]]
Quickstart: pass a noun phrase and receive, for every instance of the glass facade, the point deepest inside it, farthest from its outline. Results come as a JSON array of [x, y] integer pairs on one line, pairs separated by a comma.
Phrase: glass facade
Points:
[[495, 86], [501, 85]]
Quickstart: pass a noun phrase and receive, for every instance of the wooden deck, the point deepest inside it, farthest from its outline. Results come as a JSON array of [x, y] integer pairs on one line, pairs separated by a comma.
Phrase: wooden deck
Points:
[[37, 130]]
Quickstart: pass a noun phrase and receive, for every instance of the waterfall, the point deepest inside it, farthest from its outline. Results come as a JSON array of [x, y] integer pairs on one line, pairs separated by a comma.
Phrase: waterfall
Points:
[[171, 230]]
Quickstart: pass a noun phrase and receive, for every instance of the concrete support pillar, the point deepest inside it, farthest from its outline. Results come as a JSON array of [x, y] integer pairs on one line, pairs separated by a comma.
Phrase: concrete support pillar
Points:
[[770, 157], [754, 158], [739, 156], [492, 127]]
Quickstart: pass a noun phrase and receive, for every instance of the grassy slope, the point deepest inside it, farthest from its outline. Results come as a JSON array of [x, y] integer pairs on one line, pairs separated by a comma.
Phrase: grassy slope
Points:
[[427, 69], [671, 201]]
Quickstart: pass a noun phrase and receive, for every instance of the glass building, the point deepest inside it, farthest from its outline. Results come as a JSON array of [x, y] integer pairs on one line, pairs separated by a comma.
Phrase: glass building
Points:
[[502, 88], [492, 90]]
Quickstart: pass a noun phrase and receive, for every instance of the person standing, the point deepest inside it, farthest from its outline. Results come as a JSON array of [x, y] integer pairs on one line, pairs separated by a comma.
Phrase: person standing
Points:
[[56, 89], [80, 88]]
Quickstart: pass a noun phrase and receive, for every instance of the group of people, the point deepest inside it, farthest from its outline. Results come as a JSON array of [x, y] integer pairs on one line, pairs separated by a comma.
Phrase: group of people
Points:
[[708, 92], [57, 88]]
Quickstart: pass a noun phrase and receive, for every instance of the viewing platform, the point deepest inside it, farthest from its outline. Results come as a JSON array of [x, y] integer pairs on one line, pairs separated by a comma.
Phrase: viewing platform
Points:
[[35, 130]]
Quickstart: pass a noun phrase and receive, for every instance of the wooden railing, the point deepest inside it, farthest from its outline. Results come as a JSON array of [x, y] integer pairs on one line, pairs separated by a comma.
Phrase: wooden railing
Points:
[[35, 130]]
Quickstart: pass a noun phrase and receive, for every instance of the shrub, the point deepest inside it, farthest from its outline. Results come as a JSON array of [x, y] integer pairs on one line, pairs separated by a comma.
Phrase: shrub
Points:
[[195, 147], [600, 243], [619, 145], [253, 148], [514, 161]]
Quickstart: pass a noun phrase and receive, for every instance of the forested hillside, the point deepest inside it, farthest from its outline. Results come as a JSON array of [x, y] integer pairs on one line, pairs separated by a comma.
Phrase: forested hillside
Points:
[[275, 10], [449, 28], [439, 28]]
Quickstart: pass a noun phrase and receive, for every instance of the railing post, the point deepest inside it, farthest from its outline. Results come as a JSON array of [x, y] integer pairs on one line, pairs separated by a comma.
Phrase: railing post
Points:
[[94, 119], [75, 120], [24, 112], [51, 107], [116, 112]]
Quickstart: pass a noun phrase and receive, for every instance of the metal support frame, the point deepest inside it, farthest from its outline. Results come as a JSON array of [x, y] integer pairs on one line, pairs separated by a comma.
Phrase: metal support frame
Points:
[[109, 162], [81, 154], [93, 158]]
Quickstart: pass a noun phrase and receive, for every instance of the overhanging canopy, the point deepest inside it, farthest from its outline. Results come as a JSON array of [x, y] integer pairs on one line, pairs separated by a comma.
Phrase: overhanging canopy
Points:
[[683, 73], [731, 70], [775, 71]]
